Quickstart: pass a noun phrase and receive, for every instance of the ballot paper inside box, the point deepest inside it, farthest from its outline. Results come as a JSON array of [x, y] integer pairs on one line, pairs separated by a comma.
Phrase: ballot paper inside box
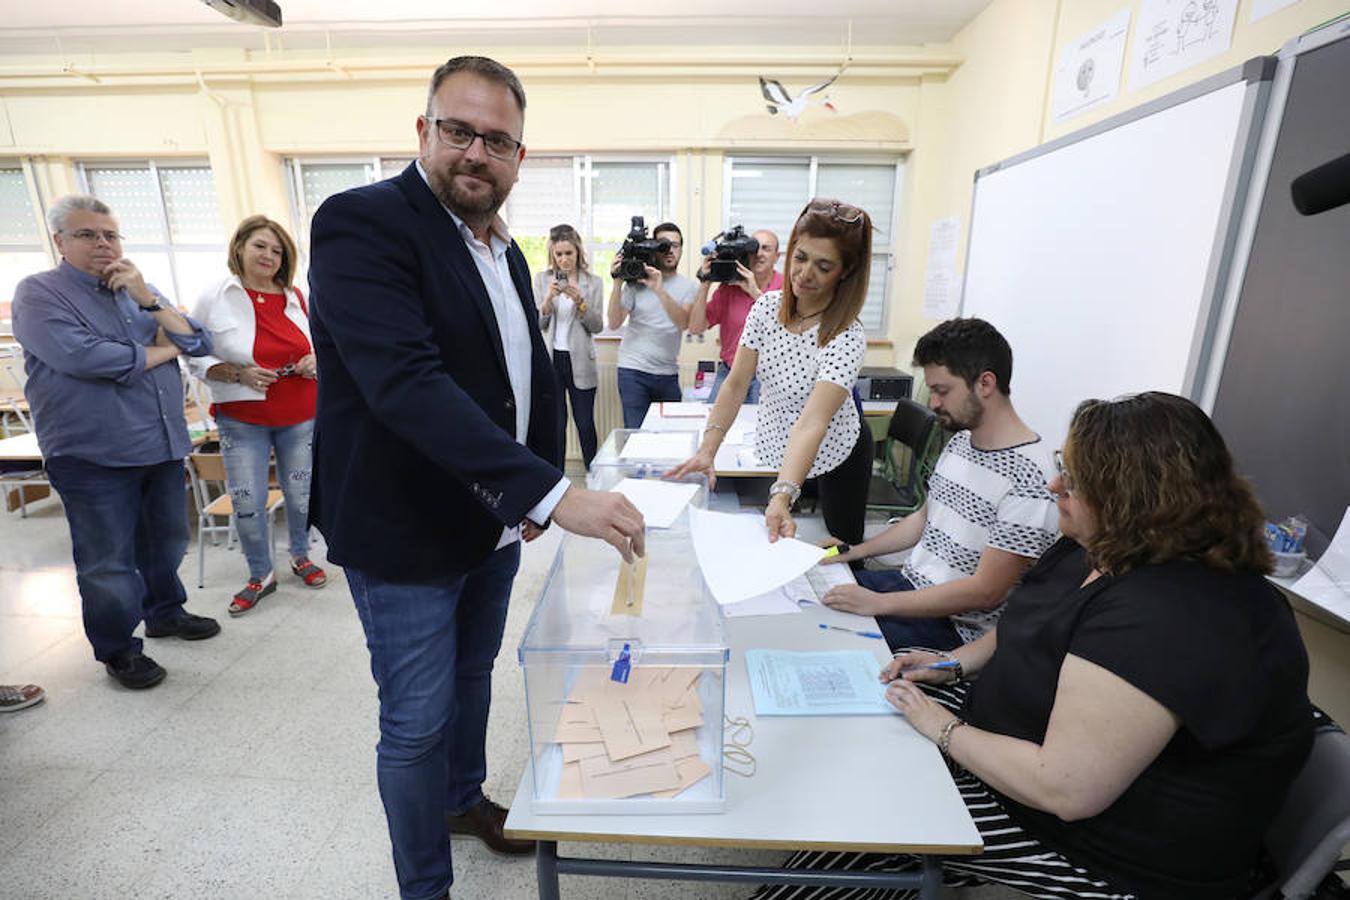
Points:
[[652, 742], [663, 502], [659, 450]]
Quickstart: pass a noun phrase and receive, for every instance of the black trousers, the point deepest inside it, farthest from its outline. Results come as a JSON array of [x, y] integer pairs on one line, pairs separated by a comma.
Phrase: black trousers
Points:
[[843, 490]]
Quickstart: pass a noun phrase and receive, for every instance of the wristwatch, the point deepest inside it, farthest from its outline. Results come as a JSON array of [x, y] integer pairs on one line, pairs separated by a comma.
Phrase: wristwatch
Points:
[[153, 307]]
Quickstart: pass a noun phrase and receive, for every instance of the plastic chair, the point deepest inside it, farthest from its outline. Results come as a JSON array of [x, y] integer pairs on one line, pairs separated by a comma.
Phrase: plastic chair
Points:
[[209, 468], [1312, 829], [913, 441]]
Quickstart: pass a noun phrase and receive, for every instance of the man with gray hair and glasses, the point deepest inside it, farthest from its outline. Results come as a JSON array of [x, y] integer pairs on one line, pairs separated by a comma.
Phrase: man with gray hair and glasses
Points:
[[100, 348]]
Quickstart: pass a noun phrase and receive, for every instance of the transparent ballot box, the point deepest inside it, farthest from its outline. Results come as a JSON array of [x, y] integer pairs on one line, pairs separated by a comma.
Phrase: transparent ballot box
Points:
[[650, 743], [632, 449]]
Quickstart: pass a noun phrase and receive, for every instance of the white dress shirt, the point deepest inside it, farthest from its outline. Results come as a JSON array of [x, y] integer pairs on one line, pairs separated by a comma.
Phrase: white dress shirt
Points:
[[514, 328]]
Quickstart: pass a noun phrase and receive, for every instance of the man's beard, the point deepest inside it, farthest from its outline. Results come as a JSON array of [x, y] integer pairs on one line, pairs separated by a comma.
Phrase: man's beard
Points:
[[968, 418], [461, 203]]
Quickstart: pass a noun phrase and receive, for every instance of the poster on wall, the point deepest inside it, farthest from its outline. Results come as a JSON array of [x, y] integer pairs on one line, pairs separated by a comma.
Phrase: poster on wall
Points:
[[941, 292], [1263, 8], [1089, 67], [1171, 35]]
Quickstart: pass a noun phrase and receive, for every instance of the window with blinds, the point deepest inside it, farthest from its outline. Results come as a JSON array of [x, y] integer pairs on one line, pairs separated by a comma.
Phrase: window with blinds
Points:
[[313, 181], [597, 196], [615, 190], [170, 219], [769, 192], [21, 249]]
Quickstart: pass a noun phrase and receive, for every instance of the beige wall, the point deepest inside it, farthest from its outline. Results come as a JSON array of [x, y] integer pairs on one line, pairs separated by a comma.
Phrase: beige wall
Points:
[[997, 104], [989, 108]]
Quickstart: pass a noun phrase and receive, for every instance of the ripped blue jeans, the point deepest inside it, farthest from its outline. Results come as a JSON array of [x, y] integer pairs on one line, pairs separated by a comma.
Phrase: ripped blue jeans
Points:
[[247, 450]]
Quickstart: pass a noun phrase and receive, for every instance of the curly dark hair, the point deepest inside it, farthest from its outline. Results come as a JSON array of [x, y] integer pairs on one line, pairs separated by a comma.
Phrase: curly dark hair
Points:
[[1159, 479], [968, 348]]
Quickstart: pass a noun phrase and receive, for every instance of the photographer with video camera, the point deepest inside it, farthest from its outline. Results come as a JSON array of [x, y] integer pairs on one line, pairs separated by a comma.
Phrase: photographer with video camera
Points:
[[743, 268], [655, 301]]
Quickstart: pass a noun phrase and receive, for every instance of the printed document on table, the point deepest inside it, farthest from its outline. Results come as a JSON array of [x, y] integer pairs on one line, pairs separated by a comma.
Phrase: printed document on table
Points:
[[791, 597], [786, 599], [823, 577], [662, 445], [837, 683], [737, 560], [684, 410], [660, 502], [1327, 583]]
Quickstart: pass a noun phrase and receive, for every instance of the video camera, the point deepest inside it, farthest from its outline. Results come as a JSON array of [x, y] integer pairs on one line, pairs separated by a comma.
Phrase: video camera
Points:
[[727, 249], [639, 252]]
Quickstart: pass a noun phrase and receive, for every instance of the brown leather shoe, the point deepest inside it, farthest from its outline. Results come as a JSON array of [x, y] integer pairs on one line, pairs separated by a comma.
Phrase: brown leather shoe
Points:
[[485, 822]]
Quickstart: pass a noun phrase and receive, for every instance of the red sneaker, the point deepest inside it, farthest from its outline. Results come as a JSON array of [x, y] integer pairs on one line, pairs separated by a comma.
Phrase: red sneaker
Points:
[[313, 576]]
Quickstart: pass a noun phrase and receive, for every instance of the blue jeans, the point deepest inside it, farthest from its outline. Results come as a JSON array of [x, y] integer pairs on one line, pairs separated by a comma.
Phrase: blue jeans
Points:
[[723, 370], [128, 530], [639, 390], [432, 646], [247, 450], [583, 404], [905, 631]]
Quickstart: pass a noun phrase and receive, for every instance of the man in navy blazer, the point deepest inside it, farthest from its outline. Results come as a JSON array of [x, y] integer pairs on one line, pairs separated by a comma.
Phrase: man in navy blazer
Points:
[[438, 445]]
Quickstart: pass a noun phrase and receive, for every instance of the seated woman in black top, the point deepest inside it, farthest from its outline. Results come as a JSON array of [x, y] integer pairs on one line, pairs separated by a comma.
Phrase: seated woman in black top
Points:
[[1142, 705]]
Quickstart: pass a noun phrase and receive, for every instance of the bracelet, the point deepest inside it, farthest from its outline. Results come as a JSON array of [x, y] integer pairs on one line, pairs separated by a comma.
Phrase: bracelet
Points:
[[944, 740], [710, 426], [792, 489]]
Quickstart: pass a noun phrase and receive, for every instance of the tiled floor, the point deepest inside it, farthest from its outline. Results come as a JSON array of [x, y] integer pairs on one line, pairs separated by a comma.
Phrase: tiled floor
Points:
[[250, 772]]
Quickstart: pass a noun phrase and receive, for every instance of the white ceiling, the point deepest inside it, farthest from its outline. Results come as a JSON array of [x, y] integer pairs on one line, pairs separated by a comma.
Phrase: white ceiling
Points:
[[143, 25]]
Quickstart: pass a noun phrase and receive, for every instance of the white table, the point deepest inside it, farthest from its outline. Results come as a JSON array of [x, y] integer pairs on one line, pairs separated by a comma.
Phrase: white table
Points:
[[734, 459], [861, 783], [22, 448]]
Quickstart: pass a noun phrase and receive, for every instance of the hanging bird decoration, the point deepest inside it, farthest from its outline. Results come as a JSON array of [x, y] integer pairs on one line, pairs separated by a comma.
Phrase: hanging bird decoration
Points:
[[780, 101]]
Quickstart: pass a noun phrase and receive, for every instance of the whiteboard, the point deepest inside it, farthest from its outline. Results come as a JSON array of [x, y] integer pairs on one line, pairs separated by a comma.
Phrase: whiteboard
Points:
[[1098, 256]]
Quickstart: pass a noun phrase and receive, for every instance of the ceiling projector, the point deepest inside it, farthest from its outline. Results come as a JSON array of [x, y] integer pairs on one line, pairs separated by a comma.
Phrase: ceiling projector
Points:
[[253, 12]]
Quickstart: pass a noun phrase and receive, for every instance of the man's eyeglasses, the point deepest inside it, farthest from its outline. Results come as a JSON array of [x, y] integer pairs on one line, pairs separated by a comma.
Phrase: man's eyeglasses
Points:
[[1064, 477], [460, 136], [90, 235]]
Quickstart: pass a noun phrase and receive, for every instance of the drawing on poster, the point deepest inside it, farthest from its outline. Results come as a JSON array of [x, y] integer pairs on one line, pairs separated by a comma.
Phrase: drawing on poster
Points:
[[1173, 35], [1088, 71], [1084, 80]]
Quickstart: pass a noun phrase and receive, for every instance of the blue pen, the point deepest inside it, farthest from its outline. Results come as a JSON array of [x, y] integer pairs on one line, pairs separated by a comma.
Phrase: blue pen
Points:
[[945, 664], [867, 634]]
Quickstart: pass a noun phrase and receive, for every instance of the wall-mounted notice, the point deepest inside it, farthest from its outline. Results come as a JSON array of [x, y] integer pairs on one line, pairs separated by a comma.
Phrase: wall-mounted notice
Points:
[[1089, 67], [941, 298], [1263, 8], [1171, 35]]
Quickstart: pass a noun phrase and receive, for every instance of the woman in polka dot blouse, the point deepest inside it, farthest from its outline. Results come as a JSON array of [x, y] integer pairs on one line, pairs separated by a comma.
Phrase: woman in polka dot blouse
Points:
[[806, 345]]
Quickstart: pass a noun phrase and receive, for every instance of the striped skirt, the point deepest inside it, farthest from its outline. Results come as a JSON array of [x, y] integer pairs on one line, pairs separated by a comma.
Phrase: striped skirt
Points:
[[1011, 857]]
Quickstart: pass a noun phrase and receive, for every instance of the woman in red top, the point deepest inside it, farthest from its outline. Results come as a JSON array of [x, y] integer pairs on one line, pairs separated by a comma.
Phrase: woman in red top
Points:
[[262, 380]]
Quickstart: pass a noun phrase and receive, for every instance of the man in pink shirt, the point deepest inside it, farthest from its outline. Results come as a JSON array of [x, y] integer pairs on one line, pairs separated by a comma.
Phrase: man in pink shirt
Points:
[[731, 303]]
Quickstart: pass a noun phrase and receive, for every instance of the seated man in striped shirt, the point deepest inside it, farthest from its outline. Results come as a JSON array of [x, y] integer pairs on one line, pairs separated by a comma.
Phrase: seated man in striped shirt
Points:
[[988, 516]]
